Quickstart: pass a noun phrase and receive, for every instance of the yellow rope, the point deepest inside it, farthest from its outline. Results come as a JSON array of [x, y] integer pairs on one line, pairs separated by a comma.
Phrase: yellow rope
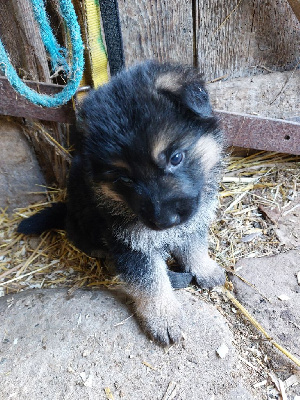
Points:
[[260, 328]]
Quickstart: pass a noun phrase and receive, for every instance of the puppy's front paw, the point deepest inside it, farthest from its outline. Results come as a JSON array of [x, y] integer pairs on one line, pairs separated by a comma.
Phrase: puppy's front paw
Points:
[[161, 318], [210, 275]]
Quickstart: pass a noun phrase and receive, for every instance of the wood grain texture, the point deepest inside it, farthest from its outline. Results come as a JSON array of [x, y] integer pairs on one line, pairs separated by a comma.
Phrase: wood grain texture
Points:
[[272, 95], [156, 29], [258, 34], [20, 35]]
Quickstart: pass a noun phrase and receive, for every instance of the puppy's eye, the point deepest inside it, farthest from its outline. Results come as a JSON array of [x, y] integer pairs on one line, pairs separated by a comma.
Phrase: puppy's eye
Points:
[[176, 158], [126, 180]]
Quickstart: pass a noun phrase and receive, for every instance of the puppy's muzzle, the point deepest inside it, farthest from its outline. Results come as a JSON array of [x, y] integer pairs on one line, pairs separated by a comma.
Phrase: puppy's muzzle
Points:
[[160, 216], [166, 221]]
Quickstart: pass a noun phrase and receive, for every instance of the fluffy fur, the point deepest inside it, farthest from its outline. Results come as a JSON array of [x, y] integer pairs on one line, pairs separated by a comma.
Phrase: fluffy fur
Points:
[[143, 185]]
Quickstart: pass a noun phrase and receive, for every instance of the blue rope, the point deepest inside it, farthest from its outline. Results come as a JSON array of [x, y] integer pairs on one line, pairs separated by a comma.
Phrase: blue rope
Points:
[[75, 75], [57, 53]]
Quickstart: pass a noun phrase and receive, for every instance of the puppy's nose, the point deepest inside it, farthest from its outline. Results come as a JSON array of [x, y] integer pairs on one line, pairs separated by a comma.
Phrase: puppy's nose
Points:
[[167, 221]]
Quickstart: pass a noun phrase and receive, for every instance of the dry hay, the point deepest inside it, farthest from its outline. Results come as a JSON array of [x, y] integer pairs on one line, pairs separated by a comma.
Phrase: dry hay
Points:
[[240, 230], [48, 261], [261, 181]]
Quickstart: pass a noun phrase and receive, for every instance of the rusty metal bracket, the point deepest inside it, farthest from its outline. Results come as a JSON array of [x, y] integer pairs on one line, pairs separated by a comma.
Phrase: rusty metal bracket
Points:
[[255, 132]]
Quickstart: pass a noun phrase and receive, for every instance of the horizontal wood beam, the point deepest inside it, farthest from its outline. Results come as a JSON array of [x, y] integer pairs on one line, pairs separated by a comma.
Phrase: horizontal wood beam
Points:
[[241, 130], [11, 103]]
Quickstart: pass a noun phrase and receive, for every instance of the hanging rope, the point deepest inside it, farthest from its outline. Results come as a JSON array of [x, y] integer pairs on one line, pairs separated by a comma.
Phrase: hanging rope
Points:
[[57, 54]]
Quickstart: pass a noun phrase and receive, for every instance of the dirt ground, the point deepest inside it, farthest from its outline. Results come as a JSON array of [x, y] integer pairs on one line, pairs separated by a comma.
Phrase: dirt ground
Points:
[[90, 345]]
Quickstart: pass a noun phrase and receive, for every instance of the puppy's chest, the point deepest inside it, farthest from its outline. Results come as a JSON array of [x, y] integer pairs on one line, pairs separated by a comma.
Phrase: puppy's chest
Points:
[[140, 238], [145, 240]]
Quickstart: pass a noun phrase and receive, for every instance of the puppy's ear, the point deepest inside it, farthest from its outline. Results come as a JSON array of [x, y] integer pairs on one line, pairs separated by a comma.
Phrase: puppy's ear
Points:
[[187, 90]]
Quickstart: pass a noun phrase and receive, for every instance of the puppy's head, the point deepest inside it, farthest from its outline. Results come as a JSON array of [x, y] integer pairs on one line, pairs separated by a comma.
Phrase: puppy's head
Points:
[[151, 141]]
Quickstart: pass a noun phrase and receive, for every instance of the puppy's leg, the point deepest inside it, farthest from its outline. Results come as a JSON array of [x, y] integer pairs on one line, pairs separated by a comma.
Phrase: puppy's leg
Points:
[[148, 284], [193, 256]]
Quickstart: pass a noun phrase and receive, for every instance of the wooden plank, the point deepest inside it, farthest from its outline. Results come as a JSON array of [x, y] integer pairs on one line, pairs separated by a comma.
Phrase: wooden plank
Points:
[[161, 30], [241, 130], [243, 38], [11, 103], [249, 131], [274, 95]]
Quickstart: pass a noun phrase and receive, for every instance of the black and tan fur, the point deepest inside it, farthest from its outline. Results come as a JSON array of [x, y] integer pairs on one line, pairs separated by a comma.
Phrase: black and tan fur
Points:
[[143, 185]]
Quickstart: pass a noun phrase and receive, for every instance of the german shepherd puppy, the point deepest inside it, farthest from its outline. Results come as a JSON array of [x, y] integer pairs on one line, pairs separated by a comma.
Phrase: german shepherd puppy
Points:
[[143, 185]]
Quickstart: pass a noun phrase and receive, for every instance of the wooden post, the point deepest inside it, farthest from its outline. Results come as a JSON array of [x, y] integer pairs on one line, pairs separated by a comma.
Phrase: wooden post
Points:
[[20, 35], [161, 30]]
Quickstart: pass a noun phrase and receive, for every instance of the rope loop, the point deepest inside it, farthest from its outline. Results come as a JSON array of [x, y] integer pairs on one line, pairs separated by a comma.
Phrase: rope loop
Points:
[[57, 54]]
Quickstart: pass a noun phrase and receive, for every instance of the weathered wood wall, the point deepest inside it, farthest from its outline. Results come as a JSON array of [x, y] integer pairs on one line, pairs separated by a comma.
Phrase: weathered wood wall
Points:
[[232, 38], [258, 35], [157, 29]]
